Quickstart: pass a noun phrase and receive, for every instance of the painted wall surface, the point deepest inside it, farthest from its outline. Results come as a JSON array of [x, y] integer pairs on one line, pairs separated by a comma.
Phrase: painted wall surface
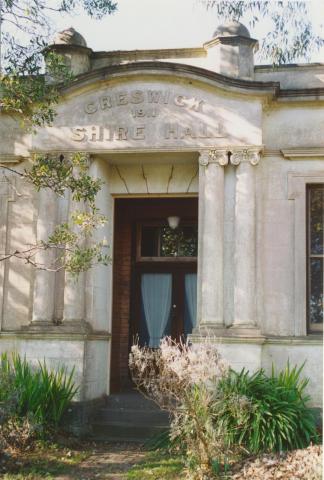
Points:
[[168, 113], [146, 136]]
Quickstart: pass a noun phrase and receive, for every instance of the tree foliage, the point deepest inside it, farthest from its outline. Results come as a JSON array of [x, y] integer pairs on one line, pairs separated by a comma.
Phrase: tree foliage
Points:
[[26, 94], [291, 35], [73, 240], [25, 31]]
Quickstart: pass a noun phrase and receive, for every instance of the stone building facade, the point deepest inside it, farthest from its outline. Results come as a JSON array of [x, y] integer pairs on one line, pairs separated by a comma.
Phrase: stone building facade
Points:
[[235, 152]]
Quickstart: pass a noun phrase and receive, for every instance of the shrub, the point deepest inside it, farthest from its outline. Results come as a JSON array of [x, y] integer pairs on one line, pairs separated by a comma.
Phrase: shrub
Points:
[[271, 412], [37, 393], [182, 379]]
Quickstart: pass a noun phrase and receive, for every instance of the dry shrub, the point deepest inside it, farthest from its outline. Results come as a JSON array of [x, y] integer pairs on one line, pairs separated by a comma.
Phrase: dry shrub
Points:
[[306, 464], [183, 378], [165, 374], [18, 433]]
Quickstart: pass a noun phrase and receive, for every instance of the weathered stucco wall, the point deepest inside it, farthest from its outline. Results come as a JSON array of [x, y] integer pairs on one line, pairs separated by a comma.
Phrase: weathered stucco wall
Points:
[[152, 113], [292, 76], [17, 230], [146, 136]]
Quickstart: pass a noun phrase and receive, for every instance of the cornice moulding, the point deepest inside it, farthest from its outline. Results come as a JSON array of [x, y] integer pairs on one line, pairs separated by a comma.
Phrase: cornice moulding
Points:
[[303, 153], [66, 47], [232, 40], [167, 149], [159, 53], [231, 84], [150, 68], [10, 158], [289, 66], [272, 153], [301, 95], [50, 336]]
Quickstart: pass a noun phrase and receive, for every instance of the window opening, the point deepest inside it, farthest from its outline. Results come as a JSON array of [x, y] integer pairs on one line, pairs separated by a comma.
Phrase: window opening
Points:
[[315, 257]]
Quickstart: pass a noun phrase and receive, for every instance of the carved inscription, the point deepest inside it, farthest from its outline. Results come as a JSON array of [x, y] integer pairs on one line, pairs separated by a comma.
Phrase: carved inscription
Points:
[[145, 106], [168, 131], [137, 97]]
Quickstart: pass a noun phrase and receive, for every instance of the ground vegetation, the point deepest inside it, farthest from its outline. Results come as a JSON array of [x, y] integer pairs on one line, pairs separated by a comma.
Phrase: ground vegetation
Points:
[[218, 416], [33, 401]]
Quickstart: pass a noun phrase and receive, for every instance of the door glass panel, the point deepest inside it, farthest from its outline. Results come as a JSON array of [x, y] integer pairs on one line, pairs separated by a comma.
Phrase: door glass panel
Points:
[[315, 257], [316, 215], [179, 242], [316, 292], [163, 241], [190, 316], [149, 241], [156, 291]]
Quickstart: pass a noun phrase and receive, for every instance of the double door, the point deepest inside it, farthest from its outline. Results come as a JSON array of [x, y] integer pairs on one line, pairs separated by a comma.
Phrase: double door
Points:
[[165, 301]]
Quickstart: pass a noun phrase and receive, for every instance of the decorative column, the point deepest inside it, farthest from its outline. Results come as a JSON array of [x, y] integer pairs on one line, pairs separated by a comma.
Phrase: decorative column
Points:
[[245, 239], [74, 288], [211, 239], [44, 286]]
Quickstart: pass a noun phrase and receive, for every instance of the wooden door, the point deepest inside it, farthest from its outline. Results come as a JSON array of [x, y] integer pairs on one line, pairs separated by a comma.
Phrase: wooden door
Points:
[[164, 287]]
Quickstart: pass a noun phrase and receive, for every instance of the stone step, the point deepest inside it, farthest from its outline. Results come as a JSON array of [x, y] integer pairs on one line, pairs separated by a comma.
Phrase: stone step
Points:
[[123, 431], [129, 417], [132, 416], [130, 400]]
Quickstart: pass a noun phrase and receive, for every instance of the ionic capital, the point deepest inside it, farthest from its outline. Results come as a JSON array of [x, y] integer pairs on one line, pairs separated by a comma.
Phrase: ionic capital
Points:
[[250, 155], [213, 156]]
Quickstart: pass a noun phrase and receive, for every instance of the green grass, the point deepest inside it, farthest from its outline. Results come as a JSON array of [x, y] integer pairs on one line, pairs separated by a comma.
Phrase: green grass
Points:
[[157, 466], [29, 476]]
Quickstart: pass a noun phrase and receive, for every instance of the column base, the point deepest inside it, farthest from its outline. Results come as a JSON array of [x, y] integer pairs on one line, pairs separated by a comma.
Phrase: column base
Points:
[[244, 331], [71, 326], [210, 330], [216, 330]]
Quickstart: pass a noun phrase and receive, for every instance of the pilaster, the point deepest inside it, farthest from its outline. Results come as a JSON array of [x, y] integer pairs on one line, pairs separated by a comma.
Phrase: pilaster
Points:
[[44, 286], [74, 309]]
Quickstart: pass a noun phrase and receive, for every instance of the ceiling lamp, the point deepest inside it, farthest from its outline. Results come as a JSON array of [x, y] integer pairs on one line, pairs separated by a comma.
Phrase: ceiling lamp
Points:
[[173, 222]]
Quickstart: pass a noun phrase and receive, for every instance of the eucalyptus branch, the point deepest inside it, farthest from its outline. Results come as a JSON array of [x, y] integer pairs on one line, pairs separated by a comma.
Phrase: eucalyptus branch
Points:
[[69, 259], [74, 239], [12, 170], [291, 37]]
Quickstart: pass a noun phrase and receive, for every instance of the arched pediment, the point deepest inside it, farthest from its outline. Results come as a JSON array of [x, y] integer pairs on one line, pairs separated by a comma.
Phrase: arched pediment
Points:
[[156, 106]]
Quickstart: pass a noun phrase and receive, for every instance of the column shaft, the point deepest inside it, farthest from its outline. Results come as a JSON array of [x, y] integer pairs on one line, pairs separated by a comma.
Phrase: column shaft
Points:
[[244, 257], [74, 289], [245, 240], [44, 286], [211, 237]]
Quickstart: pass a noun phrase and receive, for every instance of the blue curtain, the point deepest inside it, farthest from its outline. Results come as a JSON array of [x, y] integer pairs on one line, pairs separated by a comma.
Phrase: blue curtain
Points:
[[156, 296], [191, 302]]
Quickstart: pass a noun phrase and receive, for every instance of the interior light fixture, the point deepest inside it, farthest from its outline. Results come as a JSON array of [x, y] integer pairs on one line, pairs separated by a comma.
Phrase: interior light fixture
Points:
[[173, 222]]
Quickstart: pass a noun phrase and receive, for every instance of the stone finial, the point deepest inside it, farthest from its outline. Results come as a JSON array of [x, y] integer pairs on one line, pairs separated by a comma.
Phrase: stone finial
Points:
[[69, 36], [231, 51], [71, 45], [232, 29]]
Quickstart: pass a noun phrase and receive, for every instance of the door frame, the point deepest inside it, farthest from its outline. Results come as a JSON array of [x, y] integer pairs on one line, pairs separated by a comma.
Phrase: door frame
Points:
[[128, 211]]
